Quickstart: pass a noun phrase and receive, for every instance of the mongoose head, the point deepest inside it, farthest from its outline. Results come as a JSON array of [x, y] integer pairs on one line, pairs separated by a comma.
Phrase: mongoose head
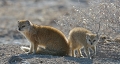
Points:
[[103, 38], [24, 25], [117, 39], [92, 39]]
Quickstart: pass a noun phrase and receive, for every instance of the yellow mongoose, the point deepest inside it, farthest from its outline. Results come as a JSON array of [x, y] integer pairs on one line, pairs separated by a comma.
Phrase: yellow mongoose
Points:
[[81, 37], [53, 40], [103, 39], [117, 39]]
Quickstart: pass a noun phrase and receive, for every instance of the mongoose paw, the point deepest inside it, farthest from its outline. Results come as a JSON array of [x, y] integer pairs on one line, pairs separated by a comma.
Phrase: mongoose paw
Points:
[[89, 57], [93, 56], [33, 53], [82, 56], [28, 52]]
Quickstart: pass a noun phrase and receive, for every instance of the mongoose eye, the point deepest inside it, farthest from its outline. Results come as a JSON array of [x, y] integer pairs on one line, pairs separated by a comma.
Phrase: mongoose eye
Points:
[[94, 40], [23, 26], [89, 40]]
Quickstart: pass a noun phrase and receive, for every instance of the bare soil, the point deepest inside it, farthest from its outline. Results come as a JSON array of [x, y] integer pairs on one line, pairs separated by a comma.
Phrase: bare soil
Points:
[[108, 53]]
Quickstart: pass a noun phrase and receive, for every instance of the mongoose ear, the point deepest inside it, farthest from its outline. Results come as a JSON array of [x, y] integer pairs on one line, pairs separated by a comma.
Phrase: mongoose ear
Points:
[[27, 22], [87, 36], [97, 36]]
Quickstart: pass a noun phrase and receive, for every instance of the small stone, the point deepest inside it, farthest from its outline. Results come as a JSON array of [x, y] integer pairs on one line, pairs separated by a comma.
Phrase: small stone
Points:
[[41, 61]]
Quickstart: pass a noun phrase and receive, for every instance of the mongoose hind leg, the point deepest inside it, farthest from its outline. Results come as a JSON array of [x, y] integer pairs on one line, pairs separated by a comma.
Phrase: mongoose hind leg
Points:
[[94, 49], [87, 52], [73, 53], [80, 53], [35, 48], [31, 49]]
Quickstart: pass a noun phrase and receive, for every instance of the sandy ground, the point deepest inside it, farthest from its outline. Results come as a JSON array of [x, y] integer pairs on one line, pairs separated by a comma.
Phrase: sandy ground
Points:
[[108, 53]]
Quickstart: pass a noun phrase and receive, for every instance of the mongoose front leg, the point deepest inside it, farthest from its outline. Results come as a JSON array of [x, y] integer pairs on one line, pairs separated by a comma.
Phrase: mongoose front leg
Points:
[[80, 53], [87, 52], [94, 49], [31, 49], [73, 53], [35, 48]]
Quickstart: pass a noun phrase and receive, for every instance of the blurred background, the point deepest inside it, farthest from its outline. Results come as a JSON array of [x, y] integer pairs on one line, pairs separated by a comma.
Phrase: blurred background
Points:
[[102, 16]]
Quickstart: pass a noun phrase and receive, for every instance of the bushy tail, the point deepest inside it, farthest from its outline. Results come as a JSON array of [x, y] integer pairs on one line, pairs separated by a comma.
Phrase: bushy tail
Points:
[[70, 48], [25, 49]]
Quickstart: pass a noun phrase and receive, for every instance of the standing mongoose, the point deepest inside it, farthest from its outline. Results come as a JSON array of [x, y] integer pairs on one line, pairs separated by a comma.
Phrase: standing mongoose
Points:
[[81, 37], [53, 40]]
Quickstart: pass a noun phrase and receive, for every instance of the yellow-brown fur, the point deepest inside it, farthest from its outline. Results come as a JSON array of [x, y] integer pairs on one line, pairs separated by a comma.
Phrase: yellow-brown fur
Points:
[[105, 39], [53, 40], [117, 39], [79, 37]]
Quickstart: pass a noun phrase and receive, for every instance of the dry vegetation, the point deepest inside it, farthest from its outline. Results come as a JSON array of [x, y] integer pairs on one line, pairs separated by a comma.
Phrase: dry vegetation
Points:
[[105, 13]]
